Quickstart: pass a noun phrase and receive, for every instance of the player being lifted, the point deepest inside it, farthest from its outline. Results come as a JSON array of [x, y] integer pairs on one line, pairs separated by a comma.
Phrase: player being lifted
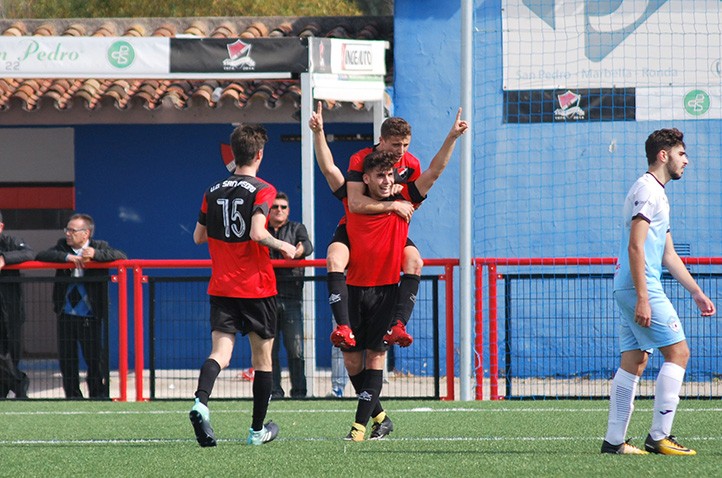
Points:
[[395, 138], [378, 243]]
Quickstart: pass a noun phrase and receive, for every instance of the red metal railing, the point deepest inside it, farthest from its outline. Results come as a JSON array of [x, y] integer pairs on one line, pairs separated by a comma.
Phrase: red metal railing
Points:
[[492, 265], [493, 275], [138, 265], [122, 280]]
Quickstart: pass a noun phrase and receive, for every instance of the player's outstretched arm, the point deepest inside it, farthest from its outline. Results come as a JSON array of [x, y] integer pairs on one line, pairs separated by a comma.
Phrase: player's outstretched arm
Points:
[[442, 157], [334, 176]]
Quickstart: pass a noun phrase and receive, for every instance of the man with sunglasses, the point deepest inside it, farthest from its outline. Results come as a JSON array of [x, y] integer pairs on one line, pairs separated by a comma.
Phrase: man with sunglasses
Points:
[[289, 301]]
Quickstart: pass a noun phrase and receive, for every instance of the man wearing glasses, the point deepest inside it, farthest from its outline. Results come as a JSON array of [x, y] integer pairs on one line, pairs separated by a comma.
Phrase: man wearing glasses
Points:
[[82, 306], [289, 301]]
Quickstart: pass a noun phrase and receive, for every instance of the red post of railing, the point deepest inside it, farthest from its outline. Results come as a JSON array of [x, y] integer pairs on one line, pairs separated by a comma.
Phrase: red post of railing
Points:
[[478, 332], [493, 336], [449, 275], [138, 281], [123, 333]]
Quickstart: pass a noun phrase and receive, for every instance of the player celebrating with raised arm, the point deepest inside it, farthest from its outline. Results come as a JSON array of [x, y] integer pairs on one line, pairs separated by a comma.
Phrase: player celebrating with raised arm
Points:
[[649, 320], [242, 289], [395, 138], [377, 244]]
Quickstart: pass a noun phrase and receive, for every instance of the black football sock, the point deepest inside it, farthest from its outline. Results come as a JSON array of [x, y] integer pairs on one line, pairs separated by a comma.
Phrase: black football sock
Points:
[[358, 383], [206, 380], [408, 288], [369, 396], [338, 297], [262, 385]]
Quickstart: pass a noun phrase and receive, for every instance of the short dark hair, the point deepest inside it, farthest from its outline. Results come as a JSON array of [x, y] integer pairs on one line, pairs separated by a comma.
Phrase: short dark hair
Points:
[[282, 195], [246, 141], [383, 160], [1, 216], [395, 126], [662, 139], [87, 219]]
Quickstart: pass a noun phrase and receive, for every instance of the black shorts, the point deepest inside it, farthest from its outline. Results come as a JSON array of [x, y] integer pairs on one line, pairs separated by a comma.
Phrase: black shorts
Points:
[[231, 315], [370, 310], [341, 235]]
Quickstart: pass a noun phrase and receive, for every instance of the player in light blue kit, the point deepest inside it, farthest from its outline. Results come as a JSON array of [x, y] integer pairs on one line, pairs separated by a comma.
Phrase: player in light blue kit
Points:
[[648, 319]]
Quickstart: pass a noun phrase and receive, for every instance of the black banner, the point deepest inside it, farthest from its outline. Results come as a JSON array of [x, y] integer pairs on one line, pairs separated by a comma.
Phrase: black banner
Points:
[[569, 105], [239, 55]]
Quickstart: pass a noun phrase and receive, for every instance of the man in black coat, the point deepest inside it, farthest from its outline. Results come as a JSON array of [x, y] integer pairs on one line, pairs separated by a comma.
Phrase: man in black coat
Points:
[[12, 315], [82, 306], [289, 301]]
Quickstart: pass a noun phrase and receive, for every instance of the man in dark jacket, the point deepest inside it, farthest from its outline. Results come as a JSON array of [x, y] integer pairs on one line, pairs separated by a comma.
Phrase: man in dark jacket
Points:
[[12, 315], [289, 300], [82, 306]]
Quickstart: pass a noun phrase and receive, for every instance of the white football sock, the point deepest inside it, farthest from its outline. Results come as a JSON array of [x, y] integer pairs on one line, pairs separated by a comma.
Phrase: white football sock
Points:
[[666, 398], [621, 406]]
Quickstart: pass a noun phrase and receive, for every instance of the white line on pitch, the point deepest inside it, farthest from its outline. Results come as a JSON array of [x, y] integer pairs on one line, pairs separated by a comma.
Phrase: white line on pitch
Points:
[[152, 441], [346, 410]]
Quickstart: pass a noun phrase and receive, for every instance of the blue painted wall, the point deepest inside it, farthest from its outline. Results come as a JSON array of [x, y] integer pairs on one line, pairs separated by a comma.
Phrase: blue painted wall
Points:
[[539, 190], [143, 184]]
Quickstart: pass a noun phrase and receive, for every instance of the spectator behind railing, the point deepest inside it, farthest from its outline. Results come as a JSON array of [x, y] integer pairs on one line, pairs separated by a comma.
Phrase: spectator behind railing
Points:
[[12, 315], [289, 301], [82, 307]]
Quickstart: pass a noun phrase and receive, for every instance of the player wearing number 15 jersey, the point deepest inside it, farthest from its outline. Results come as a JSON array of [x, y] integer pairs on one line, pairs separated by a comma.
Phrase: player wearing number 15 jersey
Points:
[[242, 289], [241, 267]]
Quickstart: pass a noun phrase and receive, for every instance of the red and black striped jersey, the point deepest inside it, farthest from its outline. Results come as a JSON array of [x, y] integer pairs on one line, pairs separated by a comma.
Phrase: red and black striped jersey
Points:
[[240, 267]]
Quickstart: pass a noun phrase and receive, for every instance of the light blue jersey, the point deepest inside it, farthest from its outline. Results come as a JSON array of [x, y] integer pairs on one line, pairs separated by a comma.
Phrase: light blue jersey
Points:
[[648, 200]]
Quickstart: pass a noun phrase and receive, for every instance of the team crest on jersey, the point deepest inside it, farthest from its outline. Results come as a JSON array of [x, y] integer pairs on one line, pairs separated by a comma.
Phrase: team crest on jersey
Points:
[[402, 175]]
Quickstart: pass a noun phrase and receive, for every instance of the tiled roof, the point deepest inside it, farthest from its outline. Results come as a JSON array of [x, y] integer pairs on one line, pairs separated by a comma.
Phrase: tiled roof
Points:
[[32, 95]]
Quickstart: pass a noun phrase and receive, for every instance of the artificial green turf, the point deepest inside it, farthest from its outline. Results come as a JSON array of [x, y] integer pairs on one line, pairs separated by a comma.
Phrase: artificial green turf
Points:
[[540, 438]]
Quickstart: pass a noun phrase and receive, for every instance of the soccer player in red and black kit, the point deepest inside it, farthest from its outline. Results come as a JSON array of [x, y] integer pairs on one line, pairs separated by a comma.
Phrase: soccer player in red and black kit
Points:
[[242, 289], [395, 138], [377, 242]]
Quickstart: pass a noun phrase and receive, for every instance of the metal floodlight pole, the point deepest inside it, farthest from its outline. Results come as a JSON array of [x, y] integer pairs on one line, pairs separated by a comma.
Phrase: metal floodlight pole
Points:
[[465, 204], [308, 217]]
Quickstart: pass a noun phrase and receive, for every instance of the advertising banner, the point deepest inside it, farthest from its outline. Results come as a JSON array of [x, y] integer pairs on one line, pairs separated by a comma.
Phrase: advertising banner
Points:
[[73, 57], [551, 44], [569, 105], [679, 103], [348, 70], [220, 57]]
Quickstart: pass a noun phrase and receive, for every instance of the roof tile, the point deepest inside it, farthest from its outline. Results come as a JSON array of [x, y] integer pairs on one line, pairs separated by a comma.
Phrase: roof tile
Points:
[[32, 95]]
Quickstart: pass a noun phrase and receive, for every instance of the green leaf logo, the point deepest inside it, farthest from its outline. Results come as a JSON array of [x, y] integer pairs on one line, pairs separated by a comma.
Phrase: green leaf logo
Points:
[[121, 54], [696, 102]]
